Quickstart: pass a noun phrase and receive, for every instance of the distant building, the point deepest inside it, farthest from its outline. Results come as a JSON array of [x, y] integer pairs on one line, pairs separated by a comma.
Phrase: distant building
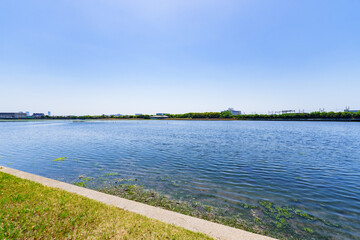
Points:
[[158, 117], [161, 114], [38, 115], [49, 113], [287, 111], [350, 110], [27, 114], [233, 112], [11, 115], [138, 114]]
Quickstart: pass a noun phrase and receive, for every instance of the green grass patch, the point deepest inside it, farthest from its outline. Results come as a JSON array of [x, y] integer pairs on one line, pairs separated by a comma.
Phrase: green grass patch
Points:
[[29, 210]]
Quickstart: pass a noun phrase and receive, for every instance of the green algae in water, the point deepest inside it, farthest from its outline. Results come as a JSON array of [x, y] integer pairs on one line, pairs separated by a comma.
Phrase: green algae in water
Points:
[[111, 174], [61, 159], [309, 230], [80, 184], [87, 179], [247, 206], [266, 218]]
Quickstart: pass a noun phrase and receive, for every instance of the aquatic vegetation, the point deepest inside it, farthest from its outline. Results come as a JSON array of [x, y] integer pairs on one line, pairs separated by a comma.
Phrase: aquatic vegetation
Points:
[[308, 230], [87, 179], [10, 163], [223, 215], [95, 164], [247, 206], [61, 159], [111, 174], [304, 215], [284, 212], [80, 184], [101, 179], [100, 169], [329, 223], [265, 218], [120, 180]]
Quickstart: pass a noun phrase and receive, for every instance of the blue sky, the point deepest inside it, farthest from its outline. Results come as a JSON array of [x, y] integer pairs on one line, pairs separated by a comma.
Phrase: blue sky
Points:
[[111, 56]]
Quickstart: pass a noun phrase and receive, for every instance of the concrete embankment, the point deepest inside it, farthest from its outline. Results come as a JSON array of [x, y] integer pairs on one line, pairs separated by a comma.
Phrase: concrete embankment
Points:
[[214, 230]]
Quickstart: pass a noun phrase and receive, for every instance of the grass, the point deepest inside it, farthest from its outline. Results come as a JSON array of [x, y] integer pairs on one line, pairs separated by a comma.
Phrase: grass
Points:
[[29, 210]]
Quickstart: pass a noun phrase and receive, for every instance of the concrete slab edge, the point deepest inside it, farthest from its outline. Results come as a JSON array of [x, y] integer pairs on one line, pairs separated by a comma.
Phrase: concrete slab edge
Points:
[[214, 230]]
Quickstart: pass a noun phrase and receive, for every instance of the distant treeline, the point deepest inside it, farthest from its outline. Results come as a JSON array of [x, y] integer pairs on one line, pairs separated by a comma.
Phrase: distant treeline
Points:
[[142, 116], [312, 115], [228, 115]]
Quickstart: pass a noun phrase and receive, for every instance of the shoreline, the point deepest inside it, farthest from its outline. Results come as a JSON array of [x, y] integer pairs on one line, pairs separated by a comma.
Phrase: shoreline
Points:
[[218, 231], [181, 119]]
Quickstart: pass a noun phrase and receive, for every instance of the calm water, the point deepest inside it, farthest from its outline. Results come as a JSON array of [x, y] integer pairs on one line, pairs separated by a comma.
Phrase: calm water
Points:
[[313, 166]]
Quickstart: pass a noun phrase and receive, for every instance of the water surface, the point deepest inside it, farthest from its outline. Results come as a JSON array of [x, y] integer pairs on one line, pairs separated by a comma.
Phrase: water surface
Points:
[[311, 166]]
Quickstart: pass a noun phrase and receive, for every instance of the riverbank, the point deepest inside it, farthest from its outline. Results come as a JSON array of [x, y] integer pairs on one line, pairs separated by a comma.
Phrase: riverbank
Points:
[[35, 211], [188, 119], [30, 210]]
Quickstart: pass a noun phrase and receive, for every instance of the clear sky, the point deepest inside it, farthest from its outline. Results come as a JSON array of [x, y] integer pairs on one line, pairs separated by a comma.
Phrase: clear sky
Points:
[[113, 56]]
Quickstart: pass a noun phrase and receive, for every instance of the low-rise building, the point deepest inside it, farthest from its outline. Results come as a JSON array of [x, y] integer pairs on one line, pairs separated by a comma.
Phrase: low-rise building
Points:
[[233, 112], [158, 117], [38, 115], [161, 114], [287, 111], [351, 110], [11, 115]]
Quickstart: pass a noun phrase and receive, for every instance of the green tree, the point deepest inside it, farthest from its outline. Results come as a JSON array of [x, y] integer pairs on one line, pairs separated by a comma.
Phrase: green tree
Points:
[[226, 114]]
